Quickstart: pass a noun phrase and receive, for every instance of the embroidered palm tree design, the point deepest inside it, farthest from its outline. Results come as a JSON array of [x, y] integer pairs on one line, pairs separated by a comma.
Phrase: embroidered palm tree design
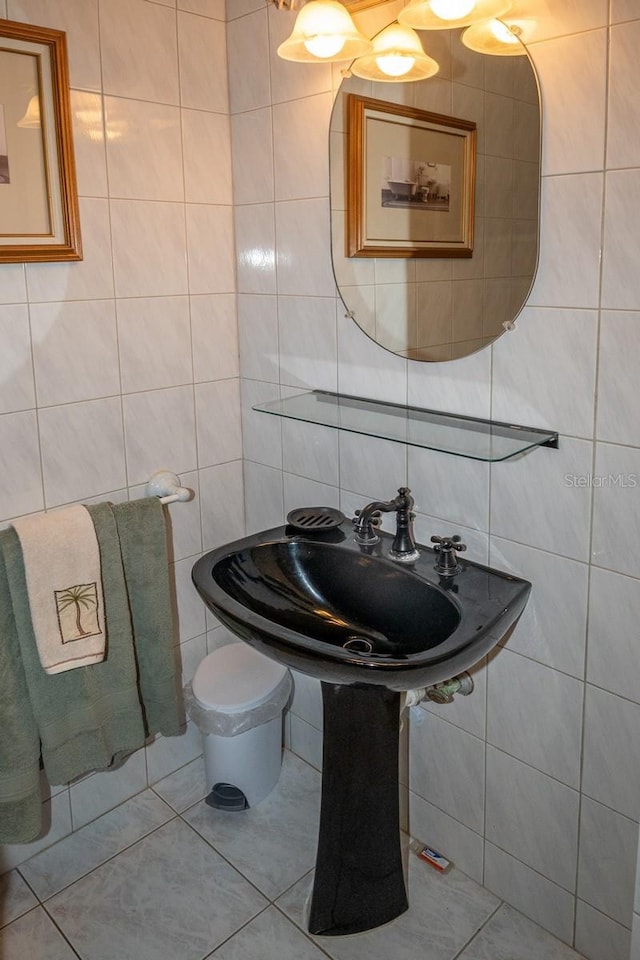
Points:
[[82, 596]]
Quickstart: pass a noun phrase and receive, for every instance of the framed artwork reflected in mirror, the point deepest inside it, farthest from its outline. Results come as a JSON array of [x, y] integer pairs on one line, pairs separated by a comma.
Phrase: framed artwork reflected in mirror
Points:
[[410, 181]]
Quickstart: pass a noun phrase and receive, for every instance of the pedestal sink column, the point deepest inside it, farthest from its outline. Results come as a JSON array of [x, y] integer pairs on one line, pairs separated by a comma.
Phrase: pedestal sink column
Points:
[[359, 880]]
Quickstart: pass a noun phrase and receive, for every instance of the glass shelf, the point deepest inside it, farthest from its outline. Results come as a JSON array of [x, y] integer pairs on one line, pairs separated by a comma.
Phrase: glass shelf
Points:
[[461, 436]]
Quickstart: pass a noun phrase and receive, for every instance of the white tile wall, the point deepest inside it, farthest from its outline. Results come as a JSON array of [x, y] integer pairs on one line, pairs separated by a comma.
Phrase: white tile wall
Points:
[[571, 365], [301, 174], [443, 832], [523, 367], [535, 713], [16, 369], [165, 321], [552, 628], [149, 256], [597, 935], [607, 861], [620, 282], [573, 75], [165, 261], [519, 800], [159, 426], [139, 51], [88, 279], [303, 225], [611, 731], [619, 345], [529, 891], [614, 614], [144, 150], [80, 21], [616, 519], [536, 500], [623, 142], [99, 359], [307, 342], [92, 371], [82, 450], [203, 62], [446, 768]]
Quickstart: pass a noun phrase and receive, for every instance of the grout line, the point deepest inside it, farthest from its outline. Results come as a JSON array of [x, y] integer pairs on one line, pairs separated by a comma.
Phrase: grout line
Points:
[[108, 198], [185, 223], [592, 511], [478, 931], [226, 859], [43, 902], [61, 932], [36, 408], [300, 929]]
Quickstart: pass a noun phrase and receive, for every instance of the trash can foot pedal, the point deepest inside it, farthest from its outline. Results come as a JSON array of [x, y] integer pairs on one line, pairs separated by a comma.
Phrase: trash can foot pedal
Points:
[[224, 796]]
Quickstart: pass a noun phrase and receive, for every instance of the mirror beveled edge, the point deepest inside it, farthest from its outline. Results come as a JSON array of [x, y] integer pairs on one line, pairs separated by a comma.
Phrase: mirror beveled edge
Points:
[[359, 296]]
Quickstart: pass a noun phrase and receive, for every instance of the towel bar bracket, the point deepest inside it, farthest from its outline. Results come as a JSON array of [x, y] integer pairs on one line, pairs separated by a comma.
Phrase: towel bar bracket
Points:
[[166, 485]]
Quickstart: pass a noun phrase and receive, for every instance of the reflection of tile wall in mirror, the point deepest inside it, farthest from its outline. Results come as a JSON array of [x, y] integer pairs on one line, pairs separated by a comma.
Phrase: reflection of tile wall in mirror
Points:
[[456, 306]]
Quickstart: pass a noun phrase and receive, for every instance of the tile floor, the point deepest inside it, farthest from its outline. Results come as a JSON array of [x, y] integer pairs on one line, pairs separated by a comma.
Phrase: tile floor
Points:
[[165, 877]]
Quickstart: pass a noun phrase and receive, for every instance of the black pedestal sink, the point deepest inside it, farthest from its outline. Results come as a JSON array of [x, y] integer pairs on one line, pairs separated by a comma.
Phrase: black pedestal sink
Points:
[[368, 628]]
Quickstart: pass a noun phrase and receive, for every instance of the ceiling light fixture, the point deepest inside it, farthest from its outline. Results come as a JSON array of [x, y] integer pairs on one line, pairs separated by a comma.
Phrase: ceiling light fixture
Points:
[[324, 31], [495, 38], [448, 14], [397, 56]]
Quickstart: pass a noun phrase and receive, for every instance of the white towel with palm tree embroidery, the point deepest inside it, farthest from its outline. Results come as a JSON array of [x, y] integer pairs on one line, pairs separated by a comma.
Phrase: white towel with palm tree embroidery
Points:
[[62, 569]]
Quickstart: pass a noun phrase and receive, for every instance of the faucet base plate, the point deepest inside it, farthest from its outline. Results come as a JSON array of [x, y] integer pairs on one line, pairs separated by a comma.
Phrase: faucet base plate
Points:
[[407, 556]]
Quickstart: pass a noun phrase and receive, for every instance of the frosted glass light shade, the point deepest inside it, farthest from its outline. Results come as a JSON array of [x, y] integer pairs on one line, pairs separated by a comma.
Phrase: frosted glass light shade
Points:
[[31, 116], [324, 31], [422, 15], [397, 56], [494, 38], [452, 9]]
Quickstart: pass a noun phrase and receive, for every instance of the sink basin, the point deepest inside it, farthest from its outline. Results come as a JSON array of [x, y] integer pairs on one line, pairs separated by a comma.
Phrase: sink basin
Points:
[[343, 613]]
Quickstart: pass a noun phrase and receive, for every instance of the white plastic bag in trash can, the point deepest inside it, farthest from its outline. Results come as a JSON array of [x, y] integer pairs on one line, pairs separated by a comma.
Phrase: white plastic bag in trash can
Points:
[[231, 724]]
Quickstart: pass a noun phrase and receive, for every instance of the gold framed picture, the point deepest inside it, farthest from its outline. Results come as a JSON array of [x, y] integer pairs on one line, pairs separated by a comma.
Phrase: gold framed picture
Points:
[[39, 217], [410, 181]]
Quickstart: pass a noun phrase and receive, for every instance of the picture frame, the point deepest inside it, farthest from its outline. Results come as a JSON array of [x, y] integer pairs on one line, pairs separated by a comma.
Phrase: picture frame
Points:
[[355, 6], [410, 181], [39, 215]]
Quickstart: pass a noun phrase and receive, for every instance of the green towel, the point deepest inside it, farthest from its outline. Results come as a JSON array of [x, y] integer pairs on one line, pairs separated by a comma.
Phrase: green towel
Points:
[[86, 717], [91, 717], [143, 540], [20, 805]]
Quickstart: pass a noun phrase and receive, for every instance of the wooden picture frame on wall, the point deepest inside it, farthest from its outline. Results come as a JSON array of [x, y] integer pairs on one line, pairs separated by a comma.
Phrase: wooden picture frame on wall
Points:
[[410, 181], [39, 216]]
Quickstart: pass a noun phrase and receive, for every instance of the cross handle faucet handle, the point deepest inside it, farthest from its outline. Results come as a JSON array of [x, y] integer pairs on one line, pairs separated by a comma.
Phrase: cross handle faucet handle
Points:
[[446, 549]]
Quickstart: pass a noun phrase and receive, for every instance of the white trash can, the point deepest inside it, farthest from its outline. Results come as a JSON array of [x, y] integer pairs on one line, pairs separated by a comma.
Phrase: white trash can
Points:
[[236, 699]]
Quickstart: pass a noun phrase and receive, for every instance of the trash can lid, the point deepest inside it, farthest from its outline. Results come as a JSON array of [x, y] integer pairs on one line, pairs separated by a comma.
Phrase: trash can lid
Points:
[[235, 677]]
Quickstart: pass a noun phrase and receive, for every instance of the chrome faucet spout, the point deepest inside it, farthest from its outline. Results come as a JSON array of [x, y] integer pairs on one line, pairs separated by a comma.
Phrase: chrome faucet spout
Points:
[[403, 548], [367, 520]]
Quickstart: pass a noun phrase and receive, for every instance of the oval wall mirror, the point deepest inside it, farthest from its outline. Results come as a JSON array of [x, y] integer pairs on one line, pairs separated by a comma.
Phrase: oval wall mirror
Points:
[[456, 234]]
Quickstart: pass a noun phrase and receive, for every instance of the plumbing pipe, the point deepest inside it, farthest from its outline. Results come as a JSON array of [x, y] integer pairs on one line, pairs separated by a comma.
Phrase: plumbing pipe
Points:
[[444, 692]]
